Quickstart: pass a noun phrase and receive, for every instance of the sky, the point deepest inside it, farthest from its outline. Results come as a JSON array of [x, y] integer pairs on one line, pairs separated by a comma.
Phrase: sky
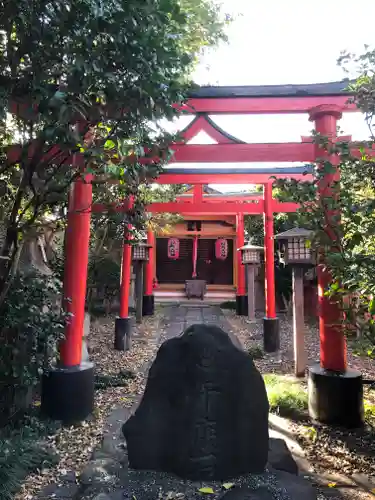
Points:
[[293, 41]]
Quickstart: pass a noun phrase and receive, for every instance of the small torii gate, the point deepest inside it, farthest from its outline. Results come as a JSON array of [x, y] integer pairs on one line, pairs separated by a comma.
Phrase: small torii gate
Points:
[[324, 103]]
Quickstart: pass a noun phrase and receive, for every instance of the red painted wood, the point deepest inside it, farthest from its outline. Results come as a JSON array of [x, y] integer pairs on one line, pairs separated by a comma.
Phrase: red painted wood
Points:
[[232, 105], [200, 124], [150, 264], [285, 206], [126, 262], [263, 105], [240, 153], [333, 355], [202, 153], [269, 256], [206, 208], [229, 206], [75, 269], [241, 278], [166, 178], [208, 153], [198, 193]]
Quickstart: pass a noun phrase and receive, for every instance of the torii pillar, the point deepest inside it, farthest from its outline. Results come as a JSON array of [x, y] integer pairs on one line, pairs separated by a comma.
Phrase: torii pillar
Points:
[[271, 336], [241, 297], [335, 391], [68, 388], [123, 323]]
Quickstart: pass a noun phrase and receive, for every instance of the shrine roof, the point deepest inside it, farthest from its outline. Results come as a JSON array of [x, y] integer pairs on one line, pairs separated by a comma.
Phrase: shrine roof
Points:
[[299, 90]]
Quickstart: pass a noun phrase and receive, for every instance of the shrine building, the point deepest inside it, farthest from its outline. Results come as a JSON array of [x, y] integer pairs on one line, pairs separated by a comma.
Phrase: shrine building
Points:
[[202, 247]]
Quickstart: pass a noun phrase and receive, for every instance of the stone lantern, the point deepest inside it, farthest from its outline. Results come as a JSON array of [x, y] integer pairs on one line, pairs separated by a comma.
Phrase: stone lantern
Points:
[[140, 255], [250, 255], [141, 252], [299, 255], [297, 250]]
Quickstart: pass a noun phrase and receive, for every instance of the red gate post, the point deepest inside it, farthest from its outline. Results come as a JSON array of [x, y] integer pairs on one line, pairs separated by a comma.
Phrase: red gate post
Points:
[[148, 298], [335, 392], [271, 335], [123, 323], [241, 297], [68, 389]]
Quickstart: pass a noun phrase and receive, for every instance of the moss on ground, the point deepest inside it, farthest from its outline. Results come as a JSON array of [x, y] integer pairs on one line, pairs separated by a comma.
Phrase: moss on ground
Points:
[[286, 396]]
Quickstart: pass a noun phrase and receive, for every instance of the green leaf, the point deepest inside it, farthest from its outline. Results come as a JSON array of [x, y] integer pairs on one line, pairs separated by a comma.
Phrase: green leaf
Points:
[[109, 145], [228, 486], [206, 491]]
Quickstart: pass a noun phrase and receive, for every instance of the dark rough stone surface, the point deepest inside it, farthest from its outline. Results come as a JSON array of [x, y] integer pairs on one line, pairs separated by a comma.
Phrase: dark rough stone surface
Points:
[[280, 457], [204, 413], [296, 487]]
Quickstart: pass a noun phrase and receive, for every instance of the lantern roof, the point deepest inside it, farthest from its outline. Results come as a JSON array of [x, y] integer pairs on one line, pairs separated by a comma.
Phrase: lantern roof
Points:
[[143, 244], [295, 232], [249, 246]]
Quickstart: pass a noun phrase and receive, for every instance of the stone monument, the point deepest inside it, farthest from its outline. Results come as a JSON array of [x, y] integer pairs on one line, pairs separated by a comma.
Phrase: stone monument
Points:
[[204, 413]]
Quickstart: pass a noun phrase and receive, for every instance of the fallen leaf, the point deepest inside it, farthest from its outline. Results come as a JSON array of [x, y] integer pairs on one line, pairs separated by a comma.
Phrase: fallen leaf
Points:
[[207, 491], [228, 486]]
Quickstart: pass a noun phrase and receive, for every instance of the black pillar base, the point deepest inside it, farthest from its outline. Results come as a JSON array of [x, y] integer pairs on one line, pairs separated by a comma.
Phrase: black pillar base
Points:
[[336, 398], [148, 306], [68, 393], [123, 334], [241, 305], [271, 334]]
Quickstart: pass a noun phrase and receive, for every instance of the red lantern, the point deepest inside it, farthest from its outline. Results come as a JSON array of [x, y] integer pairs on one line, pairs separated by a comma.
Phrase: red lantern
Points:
[[173, 248], [221, 249]]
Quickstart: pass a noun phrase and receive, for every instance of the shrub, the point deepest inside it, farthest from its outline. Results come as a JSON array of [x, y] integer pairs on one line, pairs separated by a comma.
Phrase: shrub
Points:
[[22, 452], [369, 409], [32, 324], [104, 275]]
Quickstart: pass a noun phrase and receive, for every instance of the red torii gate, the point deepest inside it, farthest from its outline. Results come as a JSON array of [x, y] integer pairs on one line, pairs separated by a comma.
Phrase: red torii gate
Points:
[[238, 207], [323, 102]]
